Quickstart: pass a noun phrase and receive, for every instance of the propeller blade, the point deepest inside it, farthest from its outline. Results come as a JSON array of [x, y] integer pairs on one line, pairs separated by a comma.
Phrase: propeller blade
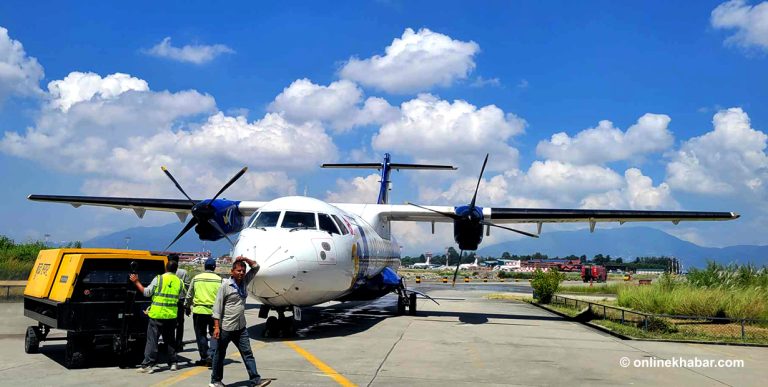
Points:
[[479, 179], [218, 228], [456, 272], [192, 223], [230, 182], [446, 214], [168, 173], [510, 229]]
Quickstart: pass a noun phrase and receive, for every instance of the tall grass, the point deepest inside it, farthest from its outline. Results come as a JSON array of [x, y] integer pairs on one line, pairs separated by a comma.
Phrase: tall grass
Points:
[[737, 292]]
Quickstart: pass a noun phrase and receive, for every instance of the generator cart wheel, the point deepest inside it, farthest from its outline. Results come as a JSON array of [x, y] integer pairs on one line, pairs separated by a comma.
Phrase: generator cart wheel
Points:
[[74, 353], [32, 340]]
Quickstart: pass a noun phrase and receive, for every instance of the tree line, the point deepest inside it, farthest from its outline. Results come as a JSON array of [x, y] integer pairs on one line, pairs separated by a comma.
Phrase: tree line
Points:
[[452, 256]]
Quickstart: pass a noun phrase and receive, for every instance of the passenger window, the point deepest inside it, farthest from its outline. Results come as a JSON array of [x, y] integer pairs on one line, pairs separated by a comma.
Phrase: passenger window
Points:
[[266, 219], [299, 220], [341, 224], [326, 224]]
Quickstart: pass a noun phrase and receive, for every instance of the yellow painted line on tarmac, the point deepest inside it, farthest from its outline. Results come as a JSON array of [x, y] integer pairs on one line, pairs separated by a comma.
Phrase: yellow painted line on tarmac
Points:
[[199, 369], [339, 378]]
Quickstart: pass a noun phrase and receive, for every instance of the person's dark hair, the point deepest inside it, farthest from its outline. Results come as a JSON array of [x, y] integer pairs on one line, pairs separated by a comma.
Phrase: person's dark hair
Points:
[[173, 257], [172, 266], [236, 263]]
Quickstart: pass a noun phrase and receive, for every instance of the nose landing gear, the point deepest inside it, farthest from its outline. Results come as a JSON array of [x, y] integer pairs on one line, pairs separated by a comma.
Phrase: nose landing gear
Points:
[[277, 327]]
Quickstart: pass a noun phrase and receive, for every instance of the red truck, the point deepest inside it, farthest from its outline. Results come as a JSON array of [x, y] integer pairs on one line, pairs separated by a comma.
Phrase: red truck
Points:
[[594, 273]]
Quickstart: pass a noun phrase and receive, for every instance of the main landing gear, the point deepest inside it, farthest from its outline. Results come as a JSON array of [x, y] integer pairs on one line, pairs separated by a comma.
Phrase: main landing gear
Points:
[[277, 327]]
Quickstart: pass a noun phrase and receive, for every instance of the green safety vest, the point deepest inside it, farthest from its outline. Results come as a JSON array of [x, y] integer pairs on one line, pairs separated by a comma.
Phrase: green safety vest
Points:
[[205, 285], [165, 301]]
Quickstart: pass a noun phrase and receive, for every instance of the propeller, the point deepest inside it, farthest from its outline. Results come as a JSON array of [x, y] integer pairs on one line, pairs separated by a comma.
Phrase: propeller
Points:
[[471, 215], [203, 211]]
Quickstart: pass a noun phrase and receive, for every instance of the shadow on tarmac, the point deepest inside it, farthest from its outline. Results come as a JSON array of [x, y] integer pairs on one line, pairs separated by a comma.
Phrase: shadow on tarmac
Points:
[[354, 317]]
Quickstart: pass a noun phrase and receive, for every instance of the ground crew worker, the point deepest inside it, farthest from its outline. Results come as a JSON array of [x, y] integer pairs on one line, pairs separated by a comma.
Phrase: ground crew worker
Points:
[[184, 277], [199, 301], [229, 323], [165, 291]]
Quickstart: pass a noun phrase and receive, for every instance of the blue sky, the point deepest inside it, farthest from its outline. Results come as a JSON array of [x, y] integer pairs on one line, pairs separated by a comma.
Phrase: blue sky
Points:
[[660, 105]]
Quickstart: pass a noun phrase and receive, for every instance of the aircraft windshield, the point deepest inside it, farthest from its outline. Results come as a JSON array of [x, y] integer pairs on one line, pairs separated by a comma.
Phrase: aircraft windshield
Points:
[[298, 220], [266, 219]]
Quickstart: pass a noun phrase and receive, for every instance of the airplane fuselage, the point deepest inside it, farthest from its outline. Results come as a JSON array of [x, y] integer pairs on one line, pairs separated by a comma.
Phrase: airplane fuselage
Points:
[[310, 252]]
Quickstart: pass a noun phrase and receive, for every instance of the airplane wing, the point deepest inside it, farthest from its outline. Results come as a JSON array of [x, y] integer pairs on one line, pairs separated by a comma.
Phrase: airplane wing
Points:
[[498, 215], [181, 207]]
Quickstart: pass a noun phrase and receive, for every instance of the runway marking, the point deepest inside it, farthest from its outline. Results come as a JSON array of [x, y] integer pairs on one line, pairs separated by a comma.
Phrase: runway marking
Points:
[[339, 378], [199, 369]]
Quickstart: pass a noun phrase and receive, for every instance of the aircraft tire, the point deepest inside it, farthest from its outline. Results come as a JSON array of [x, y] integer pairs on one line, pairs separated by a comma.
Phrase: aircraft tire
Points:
[[400, 305], [412, 304], [32, 340], [271, 327]]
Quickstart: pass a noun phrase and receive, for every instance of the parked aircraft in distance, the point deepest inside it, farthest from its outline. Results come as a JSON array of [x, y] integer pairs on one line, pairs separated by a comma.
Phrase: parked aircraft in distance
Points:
[[311, 252]]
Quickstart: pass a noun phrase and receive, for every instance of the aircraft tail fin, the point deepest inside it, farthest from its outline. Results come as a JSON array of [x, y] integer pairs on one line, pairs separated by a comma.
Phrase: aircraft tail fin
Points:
[[386, 167]]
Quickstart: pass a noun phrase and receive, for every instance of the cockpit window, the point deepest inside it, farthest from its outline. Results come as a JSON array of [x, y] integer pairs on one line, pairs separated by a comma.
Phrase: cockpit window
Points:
[[341, 224], [326, 224], [266, 219], [298, 220]]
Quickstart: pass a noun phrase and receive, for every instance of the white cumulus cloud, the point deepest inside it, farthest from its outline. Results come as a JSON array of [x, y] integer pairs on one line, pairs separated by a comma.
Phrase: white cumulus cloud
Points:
[[78, 87], [356, 190], [459, 132], [20, 74], [606, 143], [638, 193], [750, 23], [729, 159], [414, 62], [339, 104], [197, 54]]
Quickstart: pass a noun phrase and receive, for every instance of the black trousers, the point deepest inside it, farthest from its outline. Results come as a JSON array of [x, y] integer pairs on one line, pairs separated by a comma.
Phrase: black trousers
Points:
[[154, 330], [203, 324], [180, 328]]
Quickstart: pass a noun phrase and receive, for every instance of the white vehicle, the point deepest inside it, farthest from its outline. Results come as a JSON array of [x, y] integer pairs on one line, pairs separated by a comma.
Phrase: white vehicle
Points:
[[311, 252]]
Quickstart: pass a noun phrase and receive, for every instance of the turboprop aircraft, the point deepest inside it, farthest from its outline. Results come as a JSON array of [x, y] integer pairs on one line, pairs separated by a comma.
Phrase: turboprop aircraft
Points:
[[311, 252]]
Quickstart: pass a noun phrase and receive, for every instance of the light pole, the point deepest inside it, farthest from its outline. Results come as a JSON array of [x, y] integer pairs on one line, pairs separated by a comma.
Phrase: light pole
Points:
[[127, 239]]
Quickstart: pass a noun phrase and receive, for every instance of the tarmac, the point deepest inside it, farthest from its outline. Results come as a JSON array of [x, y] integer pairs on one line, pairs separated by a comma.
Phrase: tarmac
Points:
[[466, 340]]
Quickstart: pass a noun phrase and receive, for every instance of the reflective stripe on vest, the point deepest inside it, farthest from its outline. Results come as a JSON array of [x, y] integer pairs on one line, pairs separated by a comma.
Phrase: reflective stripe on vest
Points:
[[166, 298], [206, 286]]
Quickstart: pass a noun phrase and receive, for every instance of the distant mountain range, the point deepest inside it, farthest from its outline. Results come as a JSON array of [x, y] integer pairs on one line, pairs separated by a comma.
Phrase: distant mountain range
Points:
[[628, 243], [625, 242], [156, 238]]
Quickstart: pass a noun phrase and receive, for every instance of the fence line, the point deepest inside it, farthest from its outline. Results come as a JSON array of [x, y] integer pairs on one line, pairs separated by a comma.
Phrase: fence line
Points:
[[643, 319]]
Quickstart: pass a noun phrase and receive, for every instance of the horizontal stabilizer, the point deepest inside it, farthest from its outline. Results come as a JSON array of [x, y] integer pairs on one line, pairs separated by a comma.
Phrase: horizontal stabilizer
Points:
[[391, 166]]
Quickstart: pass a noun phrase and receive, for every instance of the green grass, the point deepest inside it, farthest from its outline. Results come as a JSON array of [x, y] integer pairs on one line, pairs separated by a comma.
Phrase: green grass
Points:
[[730, 333], [607, 288], [677, 297]]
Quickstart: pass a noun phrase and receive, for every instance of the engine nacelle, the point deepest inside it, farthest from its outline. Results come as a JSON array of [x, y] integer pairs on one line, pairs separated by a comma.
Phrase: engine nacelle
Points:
[[222, 211], [468, 231]]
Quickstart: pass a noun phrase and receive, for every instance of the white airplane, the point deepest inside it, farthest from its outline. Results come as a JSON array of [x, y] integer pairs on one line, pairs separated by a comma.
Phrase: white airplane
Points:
[[423, 265], [311, 252], [469, 266]]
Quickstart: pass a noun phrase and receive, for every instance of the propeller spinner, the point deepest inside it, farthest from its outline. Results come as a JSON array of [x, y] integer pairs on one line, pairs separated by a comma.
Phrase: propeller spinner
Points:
[[203, 212]]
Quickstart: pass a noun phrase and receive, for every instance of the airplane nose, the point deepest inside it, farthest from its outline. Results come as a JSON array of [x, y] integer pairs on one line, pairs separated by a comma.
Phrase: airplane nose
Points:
[[275, 277]]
